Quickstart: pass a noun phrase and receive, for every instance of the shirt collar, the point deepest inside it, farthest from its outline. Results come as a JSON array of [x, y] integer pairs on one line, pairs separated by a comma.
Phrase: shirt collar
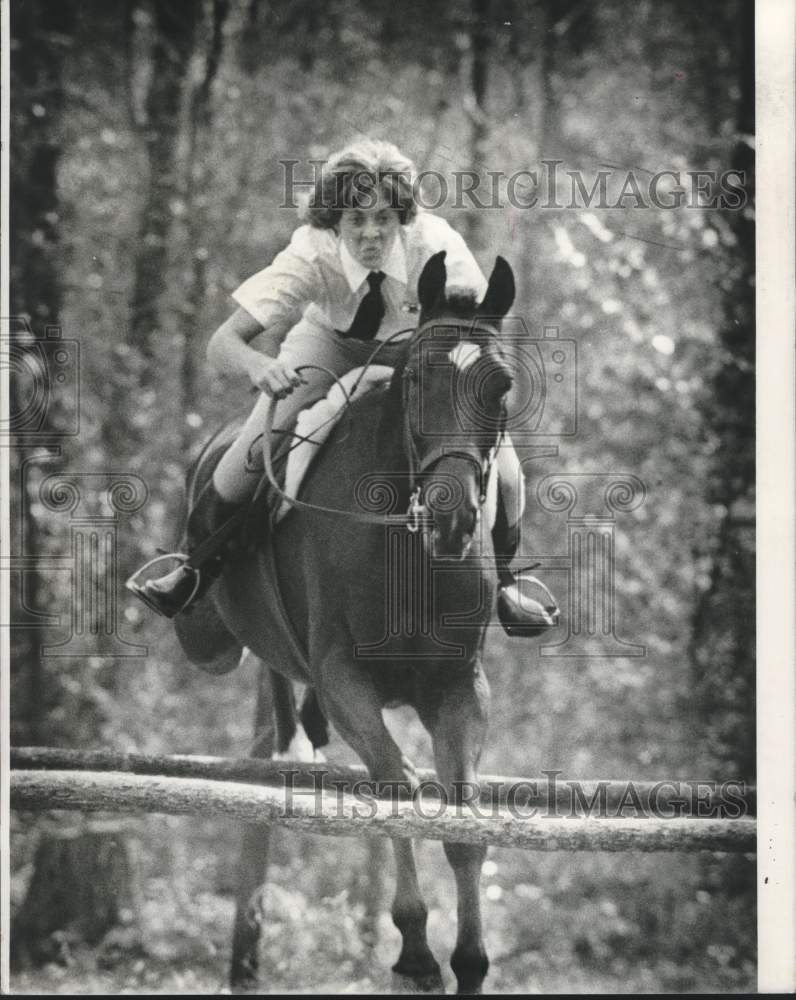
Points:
[[394, 266]]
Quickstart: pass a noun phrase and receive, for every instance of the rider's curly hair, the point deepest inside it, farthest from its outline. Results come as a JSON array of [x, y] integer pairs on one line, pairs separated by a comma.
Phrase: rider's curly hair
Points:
[[353, 177]]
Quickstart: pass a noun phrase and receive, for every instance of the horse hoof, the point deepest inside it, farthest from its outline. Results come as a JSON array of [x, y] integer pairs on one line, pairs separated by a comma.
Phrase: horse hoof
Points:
[[428, 982]]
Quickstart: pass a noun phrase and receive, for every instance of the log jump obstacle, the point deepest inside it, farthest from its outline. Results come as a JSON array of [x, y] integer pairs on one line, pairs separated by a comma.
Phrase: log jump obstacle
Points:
[[546, 815]]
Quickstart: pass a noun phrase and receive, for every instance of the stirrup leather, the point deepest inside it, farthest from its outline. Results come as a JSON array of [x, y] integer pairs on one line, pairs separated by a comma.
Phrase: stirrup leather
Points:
[[135, 587]]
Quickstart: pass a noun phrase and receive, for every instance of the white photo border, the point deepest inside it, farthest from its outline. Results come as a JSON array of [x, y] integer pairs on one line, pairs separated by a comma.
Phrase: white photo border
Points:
[[776, 473]]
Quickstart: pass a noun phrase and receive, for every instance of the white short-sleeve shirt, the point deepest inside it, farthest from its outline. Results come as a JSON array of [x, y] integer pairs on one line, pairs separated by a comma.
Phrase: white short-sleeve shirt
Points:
[[316, 277]]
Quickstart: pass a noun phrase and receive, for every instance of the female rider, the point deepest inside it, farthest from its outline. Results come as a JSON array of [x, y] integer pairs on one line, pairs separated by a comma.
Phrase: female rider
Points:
[[348, 279]]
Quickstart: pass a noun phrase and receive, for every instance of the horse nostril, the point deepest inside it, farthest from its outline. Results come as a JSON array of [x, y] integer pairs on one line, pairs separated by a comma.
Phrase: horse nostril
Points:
[[457, 534]]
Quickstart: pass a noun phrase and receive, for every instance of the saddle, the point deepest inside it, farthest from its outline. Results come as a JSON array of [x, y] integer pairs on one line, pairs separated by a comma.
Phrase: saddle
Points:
[[298, 446]]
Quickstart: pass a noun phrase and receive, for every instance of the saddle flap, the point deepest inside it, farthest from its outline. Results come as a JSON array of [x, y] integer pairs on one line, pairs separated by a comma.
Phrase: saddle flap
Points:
[[313, 427]]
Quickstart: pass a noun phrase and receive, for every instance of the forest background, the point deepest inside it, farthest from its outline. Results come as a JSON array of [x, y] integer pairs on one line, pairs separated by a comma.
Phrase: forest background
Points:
[[146, 181]]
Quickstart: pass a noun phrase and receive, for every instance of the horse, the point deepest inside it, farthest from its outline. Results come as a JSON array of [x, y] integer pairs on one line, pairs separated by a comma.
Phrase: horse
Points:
[[388, 608]]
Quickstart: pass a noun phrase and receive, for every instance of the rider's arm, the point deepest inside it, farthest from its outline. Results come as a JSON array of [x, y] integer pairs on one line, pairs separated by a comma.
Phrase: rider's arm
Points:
[[271, 302], [229, 351]]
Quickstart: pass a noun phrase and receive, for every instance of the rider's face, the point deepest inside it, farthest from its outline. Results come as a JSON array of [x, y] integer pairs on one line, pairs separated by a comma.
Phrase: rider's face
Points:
[[369, 232]]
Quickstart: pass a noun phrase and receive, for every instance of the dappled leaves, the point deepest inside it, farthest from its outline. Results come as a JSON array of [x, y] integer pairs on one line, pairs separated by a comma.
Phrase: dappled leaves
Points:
[[659, 303]]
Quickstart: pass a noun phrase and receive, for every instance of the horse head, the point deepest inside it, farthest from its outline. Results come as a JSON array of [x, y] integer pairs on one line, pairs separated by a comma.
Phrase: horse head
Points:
[[454, 382]]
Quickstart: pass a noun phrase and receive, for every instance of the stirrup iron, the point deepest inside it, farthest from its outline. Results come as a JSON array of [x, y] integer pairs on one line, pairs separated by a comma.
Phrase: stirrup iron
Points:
[[524, 613], [135, 587]]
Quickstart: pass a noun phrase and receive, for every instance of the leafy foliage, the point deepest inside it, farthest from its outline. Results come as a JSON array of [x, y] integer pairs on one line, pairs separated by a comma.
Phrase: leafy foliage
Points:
[[165, 190]]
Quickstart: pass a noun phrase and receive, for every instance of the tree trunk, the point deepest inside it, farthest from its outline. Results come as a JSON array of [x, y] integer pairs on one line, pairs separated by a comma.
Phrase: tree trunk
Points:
[[42, 35], [196, 200], [175, 26], [253, 862], [479, 64], [723, 627], [81, 888]]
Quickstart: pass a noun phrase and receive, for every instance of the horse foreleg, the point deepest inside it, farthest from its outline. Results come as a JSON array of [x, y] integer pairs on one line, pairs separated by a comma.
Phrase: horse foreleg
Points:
[[409, 914], [469, 960], [458, 729], [352, 704]]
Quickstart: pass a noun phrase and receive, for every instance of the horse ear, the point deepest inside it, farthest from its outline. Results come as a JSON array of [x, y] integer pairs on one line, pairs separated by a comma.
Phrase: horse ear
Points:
[[431, 284], [501, 291]]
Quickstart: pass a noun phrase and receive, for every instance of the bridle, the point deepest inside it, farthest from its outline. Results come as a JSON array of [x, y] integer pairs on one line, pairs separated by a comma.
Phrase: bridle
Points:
[[417, 516]]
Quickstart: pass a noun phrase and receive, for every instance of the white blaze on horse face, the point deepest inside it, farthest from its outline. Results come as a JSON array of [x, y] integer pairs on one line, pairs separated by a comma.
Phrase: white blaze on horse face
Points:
[[465, 354]]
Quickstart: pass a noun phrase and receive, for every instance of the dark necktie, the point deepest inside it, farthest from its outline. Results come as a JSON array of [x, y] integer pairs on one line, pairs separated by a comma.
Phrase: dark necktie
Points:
[[370, 312]]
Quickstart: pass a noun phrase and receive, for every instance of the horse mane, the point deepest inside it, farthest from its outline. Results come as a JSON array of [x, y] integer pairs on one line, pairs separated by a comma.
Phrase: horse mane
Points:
[[461, 303]]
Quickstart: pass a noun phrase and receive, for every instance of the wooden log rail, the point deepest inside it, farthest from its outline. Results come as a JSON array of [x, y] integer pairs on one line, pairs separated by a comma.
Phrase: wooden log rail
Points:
[[609, 798], [340, 813]]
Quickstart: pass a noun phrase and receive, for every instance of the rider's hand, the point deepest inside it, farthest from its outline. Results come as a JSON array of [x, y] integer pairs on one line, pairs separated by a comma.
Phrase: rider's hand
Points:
[[273, 377]]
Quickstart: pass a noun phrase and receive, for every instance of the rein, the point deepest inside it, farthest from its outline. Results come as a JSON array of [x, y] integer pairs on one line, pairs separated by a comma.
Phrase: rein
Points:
[[416, 516]]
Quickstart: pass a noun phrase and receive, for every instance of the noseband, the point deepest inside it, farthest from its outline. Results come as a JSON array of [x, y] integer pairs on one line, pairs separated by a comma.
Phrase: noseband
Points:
[[417, 516]]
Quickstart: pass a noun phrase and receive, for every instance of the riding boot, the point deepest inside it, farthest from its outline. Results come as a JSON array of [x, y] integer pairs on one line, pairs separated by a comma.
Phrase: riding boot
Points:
[[524, 604], [211, 523]]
